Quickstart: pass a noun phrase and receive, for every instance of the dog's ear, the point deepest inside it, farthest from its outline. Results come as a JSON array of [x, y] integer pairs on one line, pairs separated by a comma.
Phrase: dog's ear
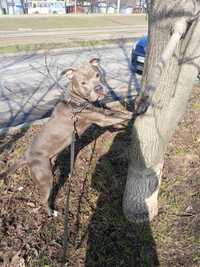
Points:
[[94, 62], [69, 73]]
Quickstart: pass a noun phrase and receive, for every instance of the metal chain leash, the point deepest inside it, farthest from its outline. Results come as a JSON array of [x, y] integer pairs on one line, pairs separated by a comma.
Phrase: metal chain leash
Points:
[[67, 195]]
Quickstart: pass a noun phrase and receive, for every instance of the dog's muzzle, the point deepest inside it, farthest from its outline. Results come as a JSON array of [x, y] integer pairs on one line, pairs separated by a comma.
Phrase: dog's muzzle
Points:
[[100, 90]]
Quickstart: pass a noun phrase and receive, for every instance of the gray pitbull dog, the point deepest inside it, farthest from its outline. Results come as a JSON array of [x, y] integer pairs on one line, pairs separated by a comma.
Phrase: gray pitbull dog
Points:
[[85, 87]]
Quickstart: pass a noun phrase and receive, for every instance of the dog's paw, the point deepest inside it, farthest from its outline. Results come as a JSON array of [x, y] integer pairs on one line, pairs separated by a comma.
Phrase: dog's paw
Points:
[[117, 127], [55, 213], [52, 213]]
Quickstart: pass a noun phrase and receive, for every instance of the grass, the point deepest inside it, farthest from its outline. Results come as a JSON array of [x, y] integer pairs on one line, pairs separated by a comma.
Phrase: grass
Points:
[[35, 43], [180, 151], [107, 238], [196, 106], [47, 46], [68, 21]]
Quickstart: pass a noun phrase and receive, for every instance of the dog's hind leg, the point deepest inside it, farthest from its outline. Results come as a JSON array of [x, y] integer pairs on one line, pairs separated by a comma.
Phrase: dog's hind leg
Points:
[[42, 174]]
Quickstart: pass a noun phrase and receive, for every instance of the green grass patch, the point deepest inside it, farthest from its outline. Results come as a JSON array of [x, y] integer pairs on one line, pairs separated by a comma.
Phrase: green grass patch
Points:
[[29, 48], [180, 151], [68, 21], [196, 106]]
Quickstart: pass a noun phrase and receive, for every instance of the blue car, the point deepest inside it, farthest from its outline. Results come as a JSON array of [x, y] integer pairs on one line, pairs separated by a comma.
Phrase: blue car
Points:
[[138, 55]]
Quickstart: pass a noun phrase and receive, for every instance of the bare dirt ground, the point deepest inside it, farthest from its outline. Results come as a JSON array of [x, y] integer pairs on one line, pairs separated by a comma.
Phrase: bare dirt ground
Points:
[[100, 236]]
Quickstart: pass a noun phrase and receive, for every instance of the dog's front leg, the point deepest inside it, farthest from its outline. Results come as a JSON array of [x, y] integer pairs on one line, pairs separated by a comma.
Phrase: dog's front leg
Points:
[[108, 117], [109, 121], [116, 118]]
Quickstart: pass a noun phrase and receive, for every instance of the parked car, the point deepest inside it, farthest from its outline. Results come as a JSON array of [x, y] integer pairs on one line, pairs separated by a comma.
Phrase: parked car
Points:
[[57, 7], [138, 55]]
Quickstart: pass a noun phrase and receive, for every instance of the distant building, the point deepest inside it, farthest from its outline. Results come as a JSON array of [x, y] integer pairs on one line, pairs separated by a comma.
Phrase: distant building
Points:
[[33, 6], [71, 6], [3, 7], [137, 6], [13, 7]]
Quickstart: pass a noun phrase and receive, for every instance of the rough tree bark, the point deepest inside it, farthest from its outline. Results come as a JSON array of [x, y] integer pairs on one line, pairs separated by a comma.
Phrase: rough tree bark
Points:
[[153, 130]]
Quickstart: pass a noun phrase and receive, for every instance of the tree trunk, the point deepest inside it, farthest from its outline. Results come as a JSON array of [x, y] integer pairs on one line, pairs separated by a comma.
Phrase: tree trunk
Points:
[[153, 130], [6, 4], [1, 8], [13, 7], [23, 6]]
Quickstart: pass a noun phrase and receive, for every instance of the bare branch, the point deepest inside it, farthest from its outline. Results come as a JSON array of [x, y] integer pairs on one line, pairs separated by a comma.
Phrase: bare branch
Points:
[[56, 81]]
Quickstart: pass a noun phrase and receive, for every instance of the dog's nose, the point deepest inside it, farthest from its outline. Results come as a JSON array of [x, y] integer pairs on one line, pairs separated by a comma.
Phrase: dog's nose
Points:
[[99, 89]]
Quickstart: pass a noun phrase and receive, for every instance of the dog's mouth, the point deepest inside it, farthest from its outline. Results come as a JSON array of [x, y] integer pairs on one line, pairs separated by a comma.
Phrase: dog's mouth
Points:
[[100, 91]]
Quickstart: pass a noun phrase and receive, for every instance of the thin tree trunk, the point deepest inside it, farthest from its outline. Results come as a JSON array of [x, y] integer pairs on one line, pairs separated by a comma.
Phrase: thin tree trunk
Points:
[[1, 7], [75, 6], [13, 7], [7, 10], [152, 131], [23, 6], [118, 6]]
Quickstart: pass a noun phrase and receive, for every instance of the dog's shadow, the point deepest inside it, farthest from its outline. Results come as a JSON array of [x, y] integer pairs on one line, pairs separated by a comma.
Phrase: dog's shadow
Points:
[[61, 169], [112, 240]]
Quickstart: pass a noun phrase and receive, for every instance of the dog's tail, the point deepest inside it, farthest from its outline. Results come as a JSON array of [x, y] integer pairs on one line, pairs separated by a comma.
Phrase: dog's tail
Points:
[[5, 174]]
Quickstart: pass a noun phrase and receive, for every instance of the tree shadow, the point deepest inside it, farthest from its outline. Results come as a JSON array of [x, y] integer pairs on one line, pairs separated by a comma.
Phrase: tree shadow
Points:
[[32, 94], [112, 240], [8, 141]]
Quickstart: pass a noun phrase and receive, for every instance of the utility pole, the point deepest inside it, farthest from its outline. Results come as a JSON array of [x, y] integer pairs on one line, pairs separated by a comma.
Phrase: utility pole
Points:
[[118, 6], [75, 6], [23, 6], [13, 6]]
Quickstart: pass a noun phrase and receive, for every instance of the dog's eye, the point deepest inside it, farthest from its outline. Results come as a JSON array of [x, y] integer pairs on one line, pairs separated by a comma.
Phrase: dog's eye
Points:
[[97, 75], [83, 83]]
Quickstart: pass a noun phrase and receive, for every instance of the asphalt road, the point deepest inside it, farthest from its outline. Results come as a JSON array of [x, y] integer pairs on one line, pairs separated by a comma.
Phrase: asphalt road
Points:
[[29, 86], [28, 36]]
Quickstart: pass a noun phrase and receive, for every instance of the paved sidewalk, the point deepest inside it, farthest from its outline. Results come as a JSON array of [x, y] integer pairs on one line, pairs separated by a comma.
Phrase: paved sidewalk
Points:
[[29, 93]]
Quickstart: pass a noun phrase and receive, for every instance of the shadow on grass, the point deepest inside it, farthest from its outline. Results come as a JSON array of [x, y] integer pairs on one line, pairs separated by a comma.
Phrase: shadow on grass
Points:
[[62, 164], [112, 240], [8, 141]]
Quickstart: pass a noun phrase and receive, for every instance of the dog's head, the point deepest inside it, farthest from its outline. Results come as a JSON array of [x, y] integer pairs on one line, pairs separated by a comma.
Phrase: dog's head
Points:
[[87, 81]]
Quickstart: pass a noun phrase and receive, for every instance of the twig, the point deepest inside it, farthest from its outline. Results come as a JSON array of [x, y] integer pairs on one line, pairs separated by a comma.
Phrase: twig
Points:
[[51, 76]]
